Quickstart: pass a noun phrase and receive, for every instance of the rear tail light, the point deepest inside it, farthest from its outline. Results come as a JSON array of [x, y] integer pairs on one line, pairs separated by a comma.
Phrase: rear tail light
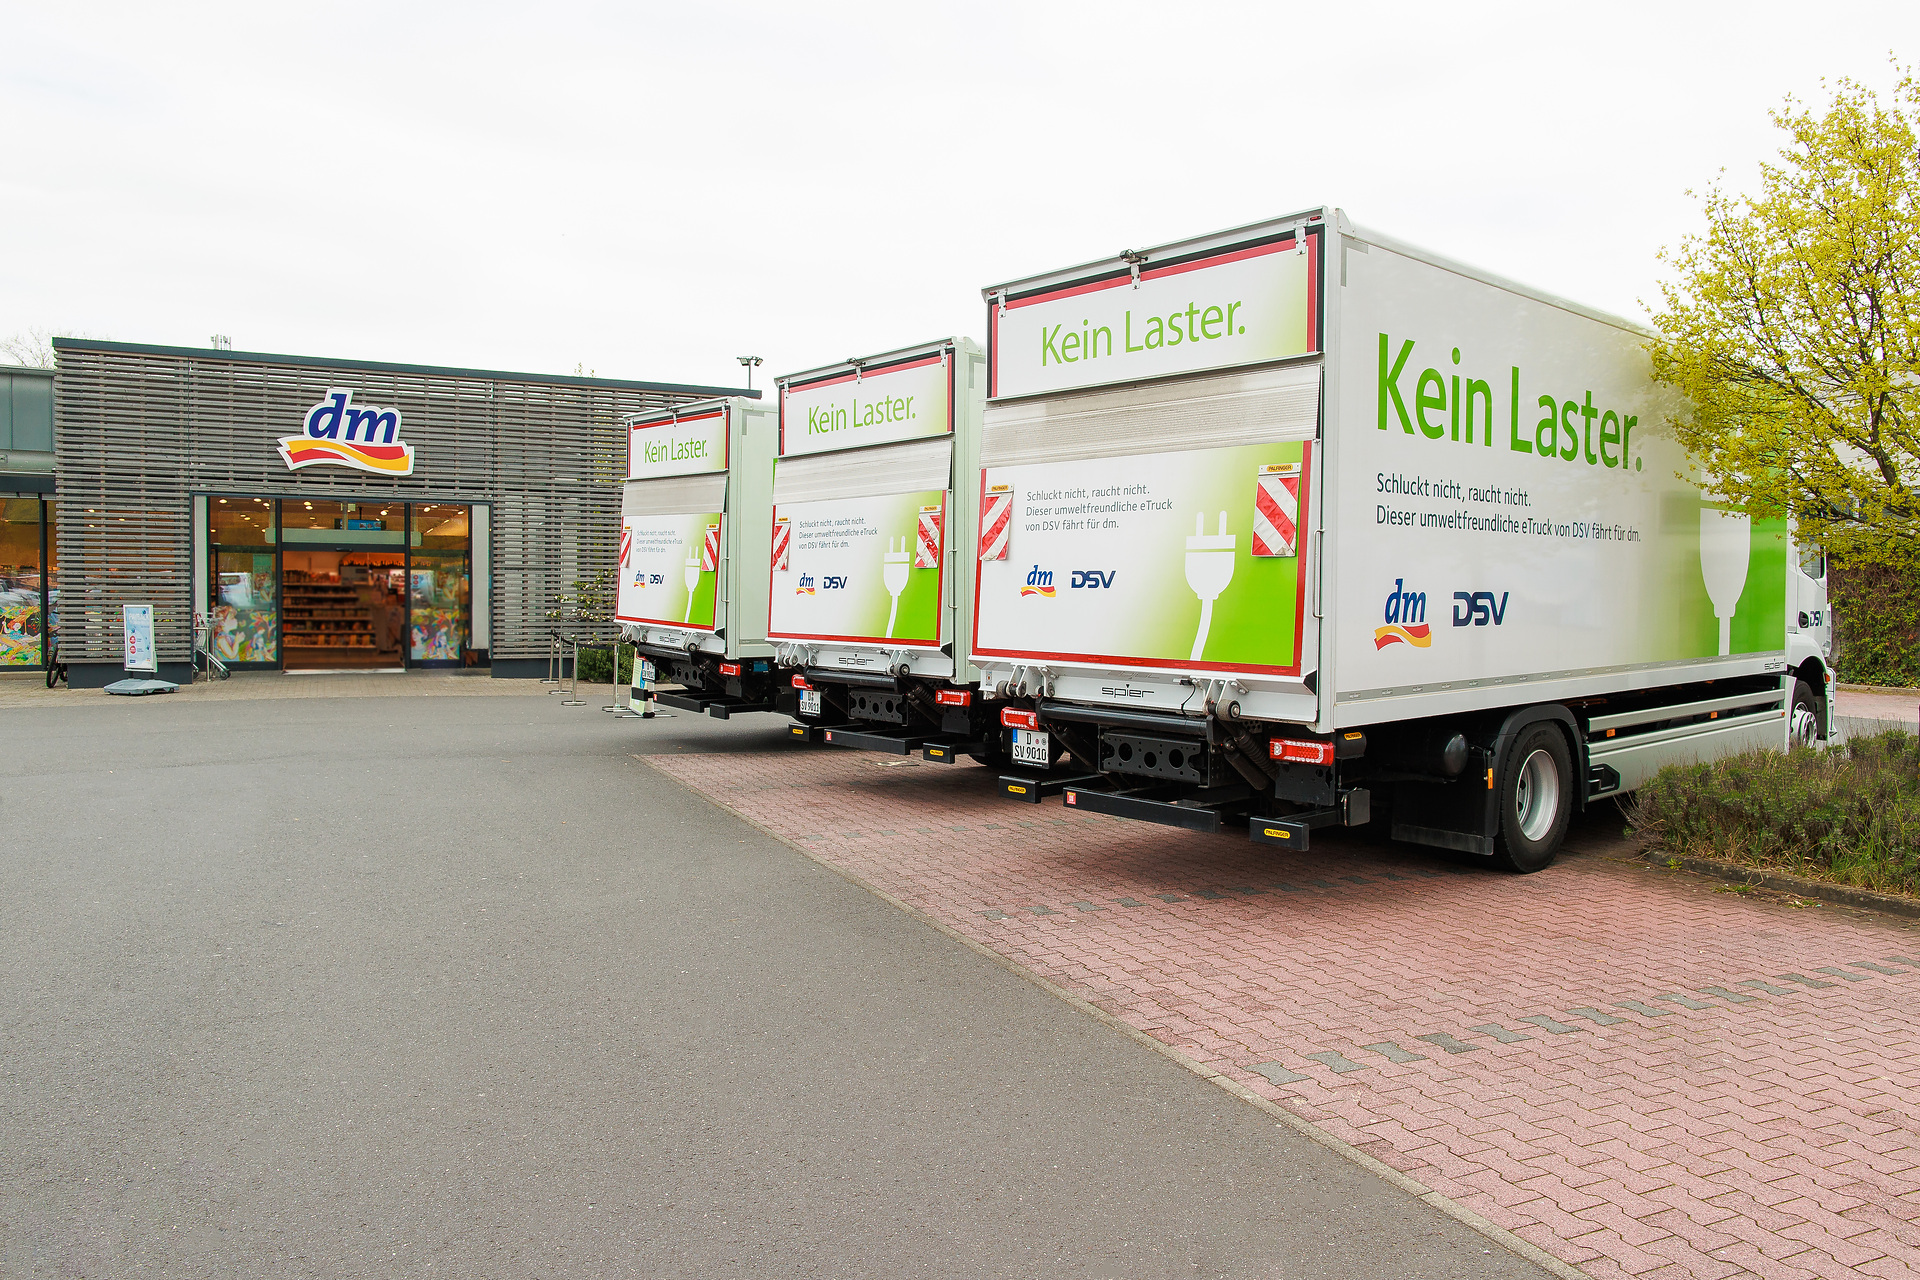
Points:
[[1014, 718], [729, 668], [1300, 751], [953, 697], [800, 682]]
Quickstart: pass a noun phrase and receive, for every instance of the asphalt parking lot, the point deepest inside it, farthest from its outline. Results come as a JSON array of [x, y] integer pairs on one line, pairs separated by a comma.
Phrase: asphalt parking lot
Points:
[[295, 983]]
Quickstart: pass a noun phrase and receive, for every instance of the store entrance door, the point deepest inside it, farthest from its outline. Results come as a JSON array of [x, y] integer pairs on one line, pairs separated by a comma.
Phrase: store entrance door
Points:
[[343, 576], [316, 585]]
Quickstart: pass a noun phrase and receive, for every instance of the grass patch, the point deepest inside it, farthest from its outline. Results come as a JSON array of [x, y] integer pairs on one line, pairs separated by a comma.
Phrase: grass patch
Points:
[[1848, 814]]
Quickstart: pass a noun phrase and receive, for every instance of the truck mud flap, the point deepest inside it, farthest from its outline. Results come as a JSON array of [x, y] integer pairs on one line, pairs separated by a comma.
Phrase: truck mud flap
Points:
[[948, 752], [1032, 788], [1439, 838], [1459, 815], [1188, 812], [897, 744]]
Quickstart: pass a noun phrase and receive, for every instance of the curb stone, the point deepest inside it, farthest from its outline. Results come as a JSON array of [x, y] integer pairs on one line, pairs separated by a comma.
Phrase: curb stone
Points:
[[1820, 890]]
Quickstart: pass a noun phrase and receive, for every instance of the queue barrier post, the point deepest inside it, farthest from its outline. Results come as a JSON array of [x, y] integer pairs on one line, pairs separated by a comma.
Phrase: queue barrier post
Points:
[[573, 698]]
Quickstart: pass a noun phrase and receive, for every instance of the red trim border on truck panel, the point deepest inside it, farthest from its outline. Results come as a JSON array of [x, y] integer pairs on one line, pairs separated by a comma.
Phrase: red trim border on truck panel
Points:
[[726, 441], [883, 370], [675, 623], [1116, 280], [1307, 514], [940, 587]]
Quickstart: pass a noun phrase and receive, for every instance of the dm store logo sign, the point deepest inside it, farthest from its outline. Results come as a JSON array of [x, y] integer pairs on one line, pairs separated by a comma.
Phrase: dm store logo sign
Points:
[[1406, 619], [1038, 583], [340, 433]]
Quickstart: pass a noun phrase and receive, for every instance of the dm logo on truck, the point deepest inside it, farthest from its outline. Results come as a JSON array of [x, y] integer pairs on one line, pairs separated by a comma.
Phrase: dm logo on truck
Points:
[[1406, 618], [340, 433], [1038, 583]]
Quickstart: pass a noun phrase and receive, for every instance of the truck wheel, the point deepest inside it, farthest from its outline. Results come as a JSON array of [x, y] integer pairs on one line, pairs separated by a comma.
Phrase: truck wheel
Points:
[[1804, 720], [1536, 799]]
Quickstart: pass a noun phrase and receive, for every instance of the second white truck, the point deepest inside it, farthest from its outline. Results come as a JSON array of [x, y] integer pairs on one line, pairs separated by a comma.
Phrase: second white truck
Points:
[[874, 513]]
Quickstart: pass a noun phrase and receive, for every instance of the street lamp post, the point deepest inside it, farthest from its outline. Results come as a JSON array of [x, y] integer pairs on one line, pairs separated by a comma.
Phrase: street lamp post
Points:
[[749, 362]]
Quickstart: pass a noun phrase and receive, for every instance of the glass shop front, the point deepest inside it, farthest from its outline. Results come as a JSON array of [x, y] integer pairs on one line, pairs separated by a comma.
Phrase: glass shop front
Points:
[[315, 585]]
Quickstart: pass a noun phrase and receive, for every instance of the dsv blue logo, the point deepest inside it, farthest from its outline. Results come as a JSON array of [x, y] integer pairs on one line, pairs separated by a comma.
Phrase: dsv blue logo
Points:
[[1477, 608], [1092, 578]]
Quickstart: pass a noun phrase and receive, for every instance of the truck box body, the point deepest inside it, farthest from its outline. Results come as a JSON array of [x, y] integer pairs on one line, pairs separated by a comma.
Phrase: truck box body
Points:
[[874, 519], [1305, 478], [695, 526]]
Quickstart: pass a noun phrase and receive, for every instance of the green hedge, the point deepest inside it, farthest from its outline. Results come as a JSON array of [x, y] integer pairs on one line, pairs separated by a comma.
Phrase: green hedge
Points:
[[1876, 611], [1849, 814], [596, 665]]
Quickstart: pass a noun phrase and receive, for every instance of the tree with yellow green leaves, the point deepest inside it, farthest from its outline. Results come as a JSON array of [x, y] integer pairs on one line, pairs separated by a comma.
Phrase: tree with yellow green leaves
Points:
[[1792, 327]]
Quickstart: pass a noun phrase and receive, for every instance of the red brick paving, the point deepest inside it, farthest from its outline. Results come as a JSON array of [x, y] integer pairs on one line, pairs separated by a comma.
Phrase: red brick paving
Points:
[[1775, 1137]]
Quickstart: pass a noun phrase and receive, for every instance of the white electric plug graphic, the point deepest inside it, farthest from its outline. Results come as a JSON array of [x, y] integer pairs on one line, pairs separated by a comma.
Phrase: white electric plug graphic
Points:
[[693, 580], [893, 573], [1726, 545], [1209, 570]]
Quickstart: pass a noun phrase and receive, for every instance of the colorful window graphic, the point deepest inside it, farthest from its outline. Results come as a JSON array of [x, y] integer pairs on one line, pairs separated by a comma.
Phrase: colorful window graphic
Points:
[[22, 630]]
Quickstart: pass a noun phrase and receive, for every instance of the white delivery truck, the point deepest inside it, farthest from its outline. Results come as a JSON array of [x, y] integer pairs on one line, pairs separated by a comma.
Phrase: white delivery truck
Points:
[[695, 518], [1306, 526], [875, 508]]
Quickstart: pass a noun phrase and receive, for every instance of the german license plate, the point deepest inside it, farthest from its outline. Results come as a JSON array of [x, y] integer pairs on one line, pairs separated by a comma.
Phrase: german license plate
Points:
[[809, 702], [1032, 746], [646, 671]]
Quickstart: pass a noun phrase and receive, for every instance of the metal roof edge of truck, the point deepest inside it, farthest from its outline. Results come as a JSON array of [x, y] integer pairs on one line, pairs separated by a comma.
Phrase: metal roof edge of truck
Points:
[[880, 358], [384, 366], [690, 408], [1318, 215]]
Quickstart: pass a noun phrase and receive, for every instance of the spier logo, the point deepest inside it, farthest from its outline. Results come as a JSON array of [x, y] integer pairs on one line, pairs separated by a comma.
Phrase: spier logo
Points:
[[805, 588], [341, 434], [1406, 619], [1039, 583]]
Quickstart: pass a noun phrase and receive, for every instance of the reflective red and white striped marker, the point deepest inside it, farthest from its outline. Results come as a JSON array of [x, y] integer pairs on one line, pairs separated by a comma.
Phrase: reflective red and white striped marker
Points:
[[782, 544], [928, 554], [996, 522], [1276, 506]]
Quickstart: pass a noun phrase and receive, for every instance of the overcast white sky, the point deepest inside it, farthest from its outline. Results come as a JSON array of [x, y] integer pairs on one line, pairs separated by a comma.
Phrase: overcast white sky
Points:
[[651, 191]]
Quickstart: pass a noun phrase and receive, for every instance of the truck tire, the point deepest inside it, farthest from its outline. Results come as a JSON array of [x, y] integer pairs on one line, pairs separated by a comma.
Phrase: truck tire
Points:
[[1803, 720], [1536, 799]]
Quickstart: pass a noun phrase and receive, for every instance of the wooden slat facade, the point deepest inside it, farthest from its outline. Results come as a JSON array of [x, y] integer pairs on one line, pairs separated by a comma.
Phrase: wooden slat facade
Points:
[[138, 430]]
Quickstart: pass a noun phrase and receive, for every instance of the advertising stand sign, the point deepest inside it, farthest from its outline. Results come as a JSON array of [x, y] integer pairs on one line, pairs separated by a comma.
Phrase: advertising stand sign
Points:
[[136, 624]]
